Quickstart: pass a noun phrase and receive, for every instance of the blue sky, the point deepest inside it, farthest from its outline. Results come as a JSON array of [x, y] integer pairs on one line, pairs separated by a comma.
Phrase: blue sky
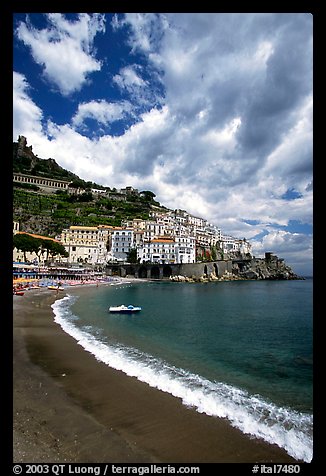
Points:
[[210, 111]]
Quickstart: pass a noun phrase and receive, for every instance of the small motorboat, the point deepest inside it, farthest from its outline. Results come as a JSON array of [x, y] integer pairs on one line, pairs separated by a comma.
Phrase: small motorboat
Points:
[[19, 293], [125, 309], [56, 288]]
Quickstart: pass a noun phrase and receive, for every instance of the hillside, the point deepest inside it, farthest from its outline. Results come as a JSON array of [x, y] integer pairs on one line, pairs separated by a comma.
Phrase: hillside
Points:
[[26, 162], [48, 213]]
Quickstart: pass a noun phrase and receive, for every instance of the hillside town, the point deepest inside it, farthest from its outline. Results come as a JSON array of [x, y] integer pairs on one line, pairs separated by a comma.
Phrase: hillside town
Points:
[[167, 237], [120, 232], [172, 237]]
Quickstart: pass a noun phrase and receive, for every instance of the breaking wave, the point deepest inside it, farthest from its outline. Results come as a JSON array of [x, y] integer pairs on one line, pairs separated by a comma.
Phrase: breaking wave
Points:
[[251, 414]]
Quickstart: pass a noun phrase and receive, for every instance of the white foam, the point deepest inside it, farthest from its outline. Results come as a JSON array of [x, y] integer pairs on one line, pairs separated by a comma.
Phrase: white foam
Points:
[[287, 428]]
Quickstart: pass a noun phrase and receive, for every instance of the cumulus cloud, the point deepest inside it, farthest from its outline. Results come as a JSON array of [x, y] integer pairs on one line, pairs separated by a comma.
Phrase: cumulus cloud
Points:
[[146, 30], [26, 114], [222, 116], [101, 111], [296, 248], [129, 79], [64, 48]]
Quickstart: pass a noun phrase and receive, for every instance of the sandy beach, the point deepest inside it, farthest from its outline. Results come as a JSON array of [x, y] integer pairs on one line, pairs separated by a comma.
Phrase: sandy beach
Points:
[[68, 407]]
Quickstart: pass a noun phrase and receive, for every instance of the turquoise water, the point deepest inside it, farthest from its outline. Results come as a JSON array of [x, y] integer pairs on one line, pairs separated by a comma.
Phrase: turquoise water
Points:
[[241, 350]]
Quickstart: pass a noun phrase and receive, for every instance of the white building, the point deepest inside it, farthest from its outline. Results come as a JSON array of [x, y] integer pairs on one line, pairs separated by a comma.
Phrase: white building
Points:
[[228, 244], [82, 244], [244, 247], [235, 245], [15, 227], [159, 250], [165, 250], [45, 183], [97, 244], [185, 249], [122, 242]]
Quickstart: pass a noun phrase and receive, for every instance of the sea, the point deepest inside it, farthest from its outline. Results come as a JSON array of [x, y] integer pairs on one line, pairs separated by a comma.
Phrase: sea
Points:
[[240, 350]]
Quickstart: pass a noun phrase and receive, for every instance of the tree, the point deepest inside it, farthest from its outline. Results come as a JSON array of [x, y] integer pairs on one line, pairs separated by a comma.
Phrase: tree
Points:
[[78, 183], [59, 250], [213, 253], [53, 248], [148, 195], [25, 243], [132, 256], [85, 197]]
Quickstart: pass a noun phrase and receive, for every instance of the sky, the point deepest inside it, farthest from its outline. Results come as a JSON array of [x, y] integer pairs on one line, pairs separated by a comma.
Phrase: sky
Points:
[[210, 111]]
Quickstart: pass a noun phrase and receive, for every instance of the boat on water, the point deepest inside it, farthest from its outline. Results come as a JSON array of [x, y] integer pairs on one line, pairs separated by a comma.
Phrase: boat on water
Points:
[[124, 309], [56, 288]]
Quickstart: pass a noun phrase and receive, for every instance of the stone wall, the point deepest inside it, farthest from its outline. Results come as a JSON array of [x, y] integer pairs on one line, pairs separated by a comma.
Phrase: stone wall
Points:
[[161, 271], [268, 268]]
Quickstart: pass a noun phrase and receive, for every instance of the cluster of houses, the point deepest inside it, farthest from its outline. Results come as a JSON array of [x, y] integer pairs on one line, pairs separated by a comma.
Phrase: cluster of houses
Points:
[[169, 237]]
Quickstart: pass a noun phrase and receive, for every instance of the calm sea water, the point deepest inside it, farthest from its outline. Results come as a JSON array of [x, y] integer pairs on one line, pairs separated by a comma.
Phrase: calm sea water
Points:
[[240, 350]]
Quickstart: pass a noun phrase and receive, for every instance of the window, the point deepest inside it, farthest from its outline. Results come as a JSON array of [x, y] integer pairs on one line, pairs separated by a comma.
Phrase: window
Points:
[[74, 248]]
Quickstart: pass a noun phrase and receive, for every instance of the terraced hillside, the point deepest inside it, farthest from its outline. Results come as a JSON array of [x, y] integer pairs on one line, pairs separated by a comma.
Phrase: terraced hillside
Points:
[[49, 213]]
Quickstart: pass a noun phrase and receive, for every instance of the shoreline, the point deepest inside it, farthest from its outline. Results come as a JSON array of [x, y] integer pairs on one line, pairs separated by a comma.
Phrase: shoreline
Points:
[[66, 402]]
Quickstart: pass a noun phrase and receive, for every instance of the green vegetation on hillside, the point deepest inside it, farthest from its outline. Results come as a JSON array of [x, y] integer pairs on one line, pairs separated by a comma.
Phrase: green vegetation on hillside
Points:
[[49, 214]]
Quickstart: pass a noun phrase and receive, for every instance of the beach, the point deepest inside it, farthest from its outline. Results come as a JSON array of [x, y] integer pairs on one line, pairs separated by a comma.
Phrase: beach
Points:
[[69, 407]]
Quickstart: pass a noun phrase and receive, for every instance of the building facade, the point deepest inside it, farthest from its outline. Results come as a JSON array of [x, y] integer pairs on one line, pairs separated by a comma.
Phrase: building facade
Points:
[[47, 184], [165, 250], [122, 242], [158, 250], [97, 244]]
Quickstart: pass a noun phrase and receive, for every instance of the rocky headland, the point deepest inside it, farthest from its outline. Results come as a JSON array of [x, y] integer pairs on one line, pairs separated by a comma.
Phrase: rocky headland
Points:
[[271, 267]]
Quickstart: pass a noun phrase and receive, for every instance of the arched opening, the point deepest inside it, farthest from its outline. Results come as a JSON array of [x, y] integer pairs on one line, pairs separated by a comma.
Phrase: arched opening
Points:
[[155, 272], [130, 270], [205, 270], [215, 269], [241, 266], [167, 271], [142, 272]]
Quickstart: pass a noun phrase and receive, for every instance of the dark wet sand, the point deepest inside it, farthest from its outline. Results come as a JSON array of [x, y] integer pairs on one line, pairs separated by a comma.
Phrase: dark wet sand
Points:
[[68, 407]]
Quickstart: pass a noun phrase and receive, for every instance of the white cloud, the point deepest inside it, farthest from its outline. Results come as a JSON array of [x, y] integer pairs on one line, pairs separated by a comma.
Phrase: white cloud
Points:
[[143, 93], [102, 111], [146, 30], [295, 248], [128, 78], [234, 130], [64, 49], [291, 161], [27, 116]]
